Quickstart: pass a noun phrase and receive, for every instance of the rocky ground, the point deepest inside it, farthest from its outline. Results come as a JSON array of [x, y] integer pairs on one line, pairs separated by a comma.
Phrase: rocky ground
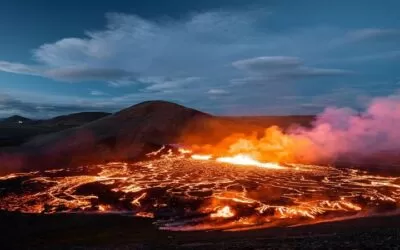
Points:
[[74, 231]]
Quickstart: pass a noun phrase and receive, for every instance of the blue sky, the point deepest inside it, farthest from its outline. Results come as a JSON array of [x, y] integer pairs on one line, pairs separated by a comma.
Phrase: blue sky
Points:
[[224, 57]]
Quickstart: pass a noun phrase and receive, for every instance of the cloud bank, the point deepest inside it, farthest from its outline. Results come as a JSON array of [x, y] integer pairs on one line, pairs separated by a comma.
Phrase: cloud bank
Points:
[[212, 60], [131, 47]]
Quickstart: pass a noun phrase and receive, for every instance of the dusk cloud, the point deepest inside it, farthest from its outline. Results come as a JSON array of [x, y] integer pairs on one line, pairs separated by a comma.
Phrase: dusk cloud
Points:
[[217, 92], [19, 68], [87, 74], [97, 93], [165, 84], [372, 33], [276, 68], [131, 47], [268, 63]]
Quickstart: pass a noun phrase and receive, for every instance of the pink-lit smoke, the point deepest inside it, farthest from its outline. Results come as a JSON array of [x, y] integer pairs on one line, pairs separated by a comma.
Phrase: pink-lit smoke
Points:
[[342, 132], [337, 135]]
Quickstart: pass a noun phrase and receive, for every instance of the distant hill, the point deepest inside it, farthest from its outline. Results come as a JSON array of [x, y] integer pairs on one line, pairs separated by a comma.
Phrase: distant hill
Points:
[[16, 130], [15, 119]]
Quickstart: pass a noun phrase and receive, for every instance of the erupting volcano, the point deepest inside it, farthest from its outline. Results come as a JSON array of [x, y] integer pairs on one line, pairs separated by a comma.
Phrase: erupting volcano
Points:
[[242, 181], [200, 124]]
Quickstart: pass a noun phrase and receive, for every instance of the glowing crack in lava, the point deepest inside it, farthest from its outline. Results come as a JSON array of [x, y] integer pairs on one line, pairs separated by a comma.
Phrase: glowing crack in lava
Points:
[[180, 191]]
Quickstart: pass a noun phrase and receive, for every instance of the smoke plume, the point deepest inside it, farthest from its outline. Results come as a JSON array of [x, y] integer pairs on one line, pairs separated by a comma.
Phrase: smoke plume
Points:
[[336, 134], [344, 132]]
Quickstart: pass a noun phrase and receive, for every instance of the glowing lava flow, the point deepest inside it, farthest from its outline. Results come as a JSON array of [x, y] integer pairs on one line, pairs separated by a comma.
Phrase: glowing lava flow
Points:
[[185, 191], [246, 160], [224, 212], [201, 157], [239, 159]]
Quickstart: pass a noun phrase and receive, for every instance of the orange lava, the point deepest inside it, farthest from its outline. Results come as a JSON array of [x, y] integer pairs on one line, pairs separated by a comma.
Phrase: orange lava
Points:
[[246, 160], [104, 208], [224, 212], [201, 157], [145, 215], [187, 191]]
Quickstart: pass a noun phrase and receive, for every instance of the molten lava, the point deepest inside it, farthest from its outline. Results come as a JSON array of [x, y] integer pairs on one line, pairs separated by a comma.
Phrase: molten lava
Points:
[[186, 191], [201, 157], [246, 160], [224, 212]]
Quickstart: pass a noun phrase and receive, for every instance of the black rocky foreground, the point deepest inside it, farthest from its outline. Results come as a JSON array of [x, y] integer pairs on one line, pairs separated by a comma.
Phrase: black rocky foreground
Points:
[[77, 231]]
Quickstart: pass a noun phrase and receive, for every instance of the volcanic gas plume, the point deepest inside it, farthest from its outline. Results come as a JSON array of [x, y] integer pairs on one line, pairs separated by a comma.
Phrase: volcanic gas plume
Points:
[[336, 134]]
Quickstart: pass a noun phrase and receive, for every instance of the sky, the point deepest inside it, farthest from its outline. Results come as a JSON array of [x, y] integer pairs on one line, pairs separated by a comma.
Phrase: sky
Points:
[[226, 57]]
